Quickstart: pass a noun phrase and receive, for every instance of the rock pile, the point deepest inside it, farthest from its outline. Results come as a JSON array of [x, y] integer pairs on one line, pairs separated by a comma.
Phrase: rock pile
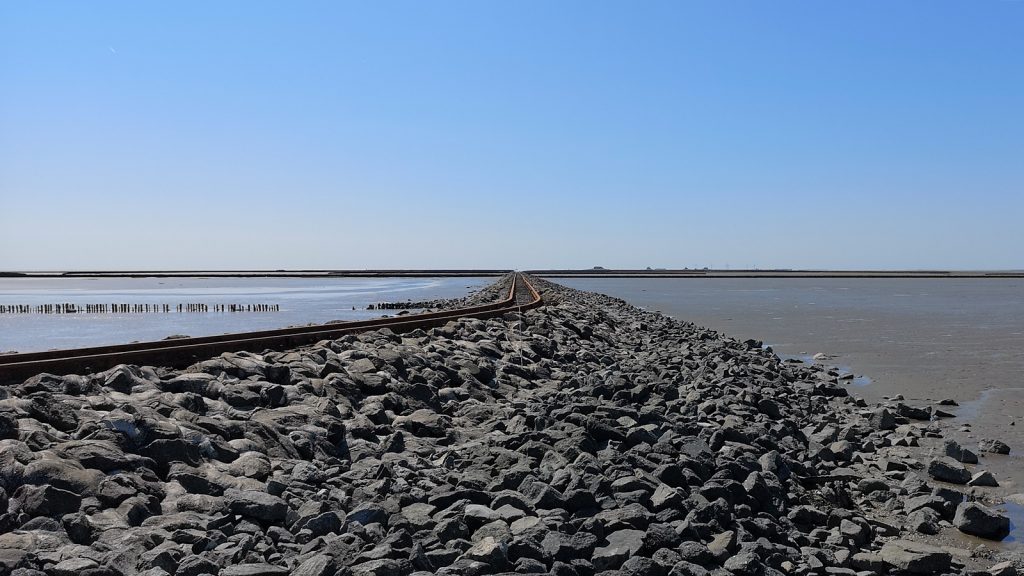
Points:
[[584, 437], [491, 293]]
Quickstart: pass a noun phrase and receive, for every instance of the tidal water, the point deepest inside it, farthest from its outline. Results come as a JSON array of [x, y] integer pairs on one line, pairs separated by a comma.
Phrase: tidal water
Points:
[[302, 301]]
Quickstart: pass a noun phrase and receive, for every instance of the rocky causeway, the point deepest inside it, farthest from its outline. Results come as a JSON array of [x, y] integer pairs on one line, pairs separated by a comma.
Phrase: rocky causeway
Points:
[[583, 437]]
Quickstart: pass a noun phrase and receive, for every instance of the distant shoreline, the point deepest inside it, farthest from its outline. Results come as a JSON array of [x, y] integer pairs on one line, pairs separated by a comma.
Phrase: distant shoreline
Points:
[[552, 273]]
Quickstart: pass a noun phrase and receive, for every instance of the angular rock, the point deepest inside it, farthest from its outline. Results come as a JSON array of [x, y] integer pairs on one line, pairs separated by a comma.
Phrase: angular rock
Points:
[[954, 450], [73, 566], [947, 469], [257, 505], [915, 558], [882, 419], [1003, 569], [254, 569], [8, 426], [47, 500], [993, 446], [977, 520], [622, 544], [983, 478], [489, 551]]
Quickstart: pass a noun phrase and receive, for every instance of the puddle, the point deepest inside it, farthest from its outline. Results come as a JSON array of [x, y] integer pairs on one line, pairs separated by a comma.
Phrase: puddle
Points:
[[1016, 514], [971, 409]]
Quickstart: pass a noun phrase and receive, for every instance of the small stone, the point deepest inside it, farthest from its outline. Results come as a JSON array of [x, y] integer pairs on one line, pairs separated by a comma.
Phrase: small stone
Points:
[[993, 446], [983, 478], [954, 450], [1003, 569]]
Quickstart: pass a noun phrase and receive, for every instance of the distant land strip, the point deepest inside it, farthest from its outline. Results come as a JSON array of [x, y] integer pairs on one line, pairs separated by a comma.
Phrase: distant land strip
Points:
[[701, 273], [549, 273]]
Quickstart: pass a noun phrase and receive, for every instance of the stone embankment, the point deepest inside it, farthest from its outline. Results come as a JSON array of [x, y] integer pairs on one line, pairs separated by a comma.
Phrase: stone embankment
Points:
[[493, 292], [584, 437]]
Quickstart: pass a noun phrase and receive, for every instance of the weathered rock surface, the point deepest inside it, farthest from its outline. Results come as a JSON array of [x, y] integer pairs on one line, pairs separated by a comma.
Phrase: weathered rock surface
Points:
[[975, 519], [915, 557], [948, 469], [994, 446]]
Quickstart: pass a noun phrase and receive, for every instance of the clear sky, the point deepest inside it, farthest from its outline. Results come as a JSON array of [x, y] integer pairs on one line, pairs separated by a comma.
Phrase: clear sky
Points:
[[524, 134]]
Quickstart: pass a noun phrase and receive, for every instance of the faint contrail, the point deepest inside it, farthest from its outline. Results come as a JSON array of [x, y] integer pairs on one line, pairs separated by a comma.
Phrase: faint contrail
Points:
[[112, 51]]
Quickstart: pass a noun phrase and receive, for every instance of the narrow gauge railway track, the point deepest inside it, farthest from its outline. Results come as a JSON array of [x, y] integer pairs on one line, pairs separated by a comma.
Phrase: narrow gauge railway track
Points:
[[182, 352]]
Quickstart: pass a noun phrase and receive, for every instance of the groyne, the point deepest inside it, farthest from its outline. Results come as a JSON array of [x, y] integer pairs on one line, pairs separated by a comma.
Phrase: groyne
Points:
[[192, 307], [582, 437]]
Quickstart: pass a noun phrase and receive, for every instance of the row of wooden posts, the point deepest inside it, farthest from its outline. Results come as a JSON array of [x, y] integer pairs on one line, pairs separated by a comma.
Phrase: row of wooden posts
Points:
[[400, 305], [133, 308]]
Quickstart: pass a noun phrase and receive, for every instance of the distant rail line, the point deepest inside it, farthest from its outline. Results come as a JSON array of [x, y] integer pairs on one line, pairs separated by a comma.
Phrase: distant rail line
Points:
[[184, 351]]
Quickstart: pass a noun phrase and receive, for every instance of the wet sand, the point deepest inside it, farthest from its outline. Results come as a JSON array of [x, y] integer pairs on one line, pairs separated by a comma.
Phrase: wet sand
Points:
[[927, 339]]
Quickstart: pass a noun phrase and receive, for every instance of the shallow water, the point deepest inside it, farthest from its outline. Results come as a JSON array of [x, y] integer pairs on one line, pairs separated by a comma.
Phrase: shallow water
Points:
[[1016, 514], [302, 301]]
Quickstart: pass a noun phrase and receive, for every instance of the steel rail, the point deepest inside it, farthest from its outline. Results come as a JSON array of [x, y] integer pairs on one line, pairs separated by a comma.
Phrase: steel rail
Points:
[[185, 351]]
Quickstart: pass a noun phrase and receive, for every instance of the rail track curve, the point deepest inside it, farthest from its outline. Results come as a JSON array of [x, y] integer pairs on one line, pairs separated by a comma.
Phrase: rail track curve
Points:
[[185, 351]]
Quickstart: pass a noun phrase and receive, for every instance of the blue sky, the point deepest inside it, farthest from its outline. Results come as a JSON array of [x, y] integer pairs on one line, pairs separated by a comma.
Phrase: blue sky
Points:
[[524, 134]]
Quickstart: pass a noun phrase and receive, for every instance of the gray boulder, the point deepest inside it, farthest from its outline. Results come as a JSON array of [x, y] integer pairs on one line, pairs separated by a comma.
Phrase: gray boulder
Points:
[[977, 520], [915, 558], [255, 504], [993, 446], [882, 419], [47, 500], [254, 569], [947, 469], [954, 450], [8, 426], [622, 544], [983, 478]]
